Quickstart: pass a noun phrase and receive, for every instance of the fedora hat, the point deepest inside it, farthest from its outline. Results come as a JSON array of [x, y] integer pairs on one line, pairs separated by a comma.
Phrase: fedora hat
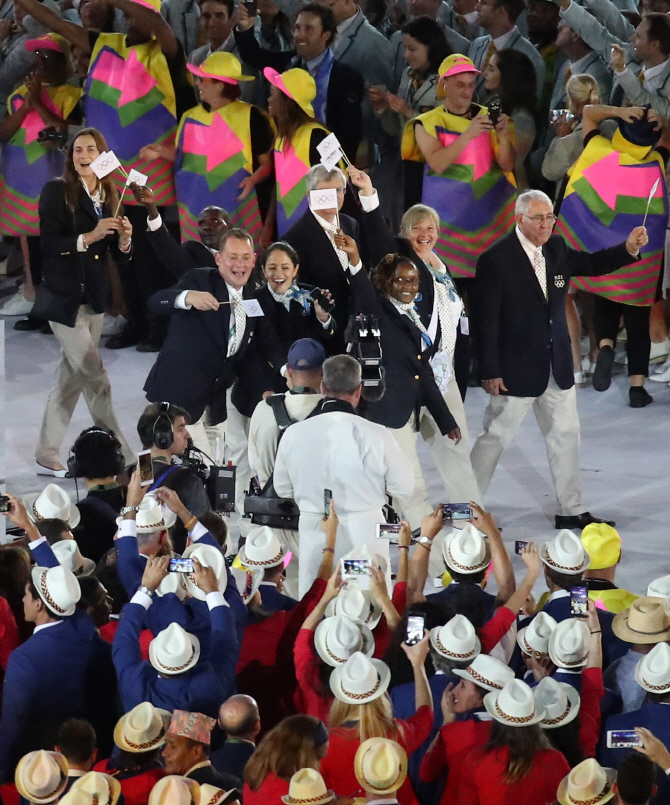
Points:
[[647, 620], [486, 672], [261, 549], [565, 553], [569, 644], [514, 705], [466, 551], [68, 554], [559, 700], [534, 638], [456, 640], [173, 583], [58, 588], [359, 606], [307, 788], [152, 516], [248, 581], [211, 795], [587, 782], [41, 776], [101, 789], [337, 638], [360, 680], [221, 67], [142, 728], [175, 790], [208, 556], [297, 84], [380, 765], [52, 503], [660, 588], [174, 651], [653, 671]]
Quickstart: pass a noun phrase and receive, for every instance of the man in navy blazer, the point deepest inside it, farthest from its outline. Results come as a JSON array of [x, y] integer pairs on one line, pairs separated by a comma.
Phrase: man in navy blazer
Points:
[[175, 677], [262, 550], [240, 720], [525, 358]]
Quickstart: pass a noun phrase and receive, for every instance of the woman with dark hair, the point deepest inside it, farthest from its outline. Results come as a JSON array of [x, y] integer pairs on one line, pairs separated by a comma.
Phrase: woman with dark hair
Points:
[[517, 764], [425, 49], [298, 742], [80, 226], [298, 134], [511, 76]]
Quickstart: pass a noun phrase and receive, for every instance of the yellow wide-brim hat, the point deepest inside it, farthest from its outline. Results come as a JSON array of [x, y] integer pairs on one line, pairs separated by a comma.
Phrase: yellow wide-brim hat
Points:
[[221, 67], [296, 84]]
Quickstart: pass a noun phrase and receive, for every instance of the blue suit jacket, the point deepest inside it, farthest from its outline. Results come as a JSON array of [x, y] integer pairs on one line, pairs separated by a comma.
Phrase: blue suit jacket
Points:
[[655, 717], [201, 690], [232, 757], [447, 592], [274, 601]]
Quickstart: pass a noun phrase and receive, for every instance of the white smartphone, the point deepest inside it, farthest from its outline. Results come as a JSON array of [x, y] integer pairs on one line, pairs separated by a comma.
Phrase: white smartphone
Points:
[[358, 570], [146, 468], [623, 739]]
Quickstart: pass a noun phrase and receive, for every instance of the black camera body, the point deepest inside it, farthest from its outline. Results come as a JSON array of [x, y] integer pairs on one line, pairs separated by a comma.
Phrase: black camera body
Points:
[[52, 135], [364, 344], [219, 482]]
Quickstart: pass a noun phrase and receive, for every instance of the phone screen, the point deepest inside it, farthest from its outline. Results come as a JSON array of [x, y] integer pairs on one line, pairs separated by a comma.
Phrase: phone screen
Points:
[[327, 497], [414, 629], [180, 565], [353, 568], [388, 531], [146, 468], [622, 739], [519, 545], [456, 511], [578, 601]]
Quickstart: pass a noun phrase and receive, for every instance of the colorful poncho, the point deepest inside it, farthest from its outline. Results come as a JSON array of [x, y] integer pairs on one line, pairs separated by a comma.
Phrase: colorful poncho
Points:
[[27, 165], [131, 100], [604, 200], [291, 167], [473, 197], [213, 157]]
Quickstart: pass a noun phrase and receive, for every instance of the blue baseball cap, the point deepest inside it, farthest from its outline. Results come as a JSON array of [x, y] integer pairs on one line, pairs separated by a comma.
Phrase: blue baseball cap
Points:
[[306, 354]]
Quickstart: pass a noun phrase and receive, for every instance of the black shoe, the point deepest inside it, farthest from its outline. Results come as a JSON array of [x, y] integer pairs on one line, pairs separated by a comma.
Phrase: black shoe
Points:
[[639, 397], [579, 520], [128, 337], [29, 324], [149, 345], [602, 374], [45, 329]]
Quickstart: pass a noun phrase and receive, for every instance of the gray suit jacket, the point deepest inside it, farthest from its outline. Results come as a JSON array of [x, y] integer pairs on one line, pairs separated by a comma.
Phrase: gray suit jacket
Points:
[[362, 47], [517, 42], [448, 17], [592, 65]]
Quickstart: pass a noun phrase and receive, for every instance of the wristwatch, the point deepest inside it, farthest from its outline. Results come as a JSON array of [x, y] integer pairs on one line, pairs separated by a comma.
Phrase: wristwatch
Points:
[[146, 591], [425, 541], [128, 509]]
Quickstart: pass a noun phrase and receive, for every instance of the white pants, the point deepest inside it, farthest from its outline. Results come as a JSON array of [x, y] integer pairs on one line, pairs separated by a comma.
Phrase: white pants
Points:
[[80, 371], [355, 528], [557, 417]]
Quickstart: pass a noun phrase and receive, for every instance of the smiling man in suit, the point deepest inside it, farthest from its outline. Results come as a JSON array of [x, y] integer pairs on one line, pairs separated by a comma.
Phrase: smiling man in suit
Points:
[[524, 346]]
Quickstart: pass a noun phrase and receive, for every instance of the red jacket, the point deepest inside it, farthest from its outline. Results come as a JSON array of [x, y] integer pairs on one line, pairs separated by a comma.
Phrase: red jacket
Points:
[[589, 710], [271, 791], [493, 631], [382, 633], [482, 779], [9, 633], [135, 788], [337, 768], [454, 743], [315, 700]]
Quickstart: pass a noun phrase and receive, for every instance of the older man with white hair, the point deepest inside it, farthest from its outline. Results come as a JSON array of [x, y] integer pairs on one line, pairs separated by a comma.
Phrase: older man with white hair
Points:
[[525, 357]]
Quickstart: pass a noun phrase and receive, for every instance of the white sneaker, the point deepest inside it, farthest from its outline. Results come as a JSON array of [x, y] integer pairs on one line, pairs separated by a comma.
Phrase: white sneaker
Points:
[[661, 367], [659, 352], [18, 305], [579, 379], [112, 325], [587, 366], [661, 377]]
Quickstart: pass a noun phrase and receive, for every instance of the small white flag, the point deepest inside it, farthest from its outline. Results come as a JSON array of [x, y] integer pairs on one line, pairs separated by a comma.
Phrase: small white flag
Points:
[[651, 196], [135, 177], [323, 199], [105, 164], [328, 145], [330, 161], [252, 307]]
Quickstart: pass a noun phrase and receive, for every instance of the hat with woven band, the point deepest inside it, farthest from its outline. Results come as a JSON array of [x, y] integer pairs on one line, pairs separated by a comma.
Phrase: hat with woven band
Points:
[[208, 556], [58, 588], [565, 554], [466, 551], [514, 705], [560, 702], [587, 784], [380, 766], [337, 638], [569, 644], [653, 671], [647, 620], [261, 549], [456, 640], [174, 651], [175, 790], [307, 788], [142, 728], [41, 776], [52, 503], [486, 672], [101, 789], [534, 638], [360, 680]]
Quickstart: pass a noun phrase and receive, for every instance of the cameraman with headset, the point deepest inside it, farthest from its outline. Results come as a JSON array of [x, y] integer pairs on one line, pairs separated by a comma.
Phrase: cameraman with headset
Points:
[[162, 429]]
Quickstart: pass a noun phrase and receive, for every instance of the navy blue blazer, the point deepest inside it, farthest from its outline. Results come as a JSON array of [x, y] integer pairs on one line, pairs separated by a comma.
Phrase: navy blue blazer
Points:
[[488, 599], [274, 601], [232, 757], [656, 718], [200, 690]]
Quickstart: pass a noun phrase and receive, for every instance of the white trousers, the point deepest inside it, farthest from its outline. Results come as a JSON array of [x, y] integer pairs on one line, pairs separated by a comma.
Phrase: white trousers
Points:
[[80, 371], [557, 417]]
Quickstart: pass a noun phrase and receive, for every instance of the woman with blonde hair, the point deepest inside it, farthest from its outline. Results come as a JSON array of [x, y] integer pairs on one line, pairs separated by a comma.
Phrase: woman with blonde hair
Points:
[[298, 742], [362, 709]]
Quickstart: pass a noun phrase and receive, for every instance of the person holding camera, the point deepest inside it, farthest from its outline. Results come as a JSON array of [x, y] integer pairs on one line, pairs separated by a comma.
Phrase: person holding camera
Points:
[[33, 134]]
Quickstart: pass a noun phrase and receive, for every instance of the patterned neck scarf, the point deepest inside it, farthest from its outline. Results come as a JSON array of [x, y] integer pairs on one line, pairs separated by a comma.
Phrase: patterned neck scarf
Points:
[[97, 196], [294, 292], [409, 309], [446, 295]]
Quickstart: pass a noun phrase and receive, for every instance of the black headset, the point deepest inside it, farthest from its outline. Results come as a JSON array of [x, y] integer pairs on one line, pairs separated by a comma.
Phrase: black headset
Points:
[[73, 469], [163, 435]]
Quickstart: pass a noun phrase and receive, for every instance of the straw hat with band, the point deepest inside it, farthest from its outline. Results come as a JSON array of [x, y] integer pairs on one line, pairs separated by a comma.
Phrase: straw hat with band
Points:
[[102, 789], [175, 790], [455, 64], [41, 776], [587, 784], [261, 549], [466, 551], [359, 606], [380, 766], [569, 644], [248, 582], [514, 705], [652, 673], [52, 503], [456, 640], [208, 556], [221, 66], [560, 701], [360, 680], [486, 672], [142, 728], [565, 554], [534, 638], [660, 588], [337, 638], [307, 788], [646, 621], [211, 795], [297, 84], [58, 588], [174, 651], [68, 554]]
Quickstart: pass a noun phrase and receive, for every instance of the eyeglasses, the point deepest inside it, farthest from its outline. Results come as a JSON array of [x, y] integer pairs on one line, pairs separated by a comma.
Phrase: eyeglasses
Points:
[[413, 281], [537, 219]]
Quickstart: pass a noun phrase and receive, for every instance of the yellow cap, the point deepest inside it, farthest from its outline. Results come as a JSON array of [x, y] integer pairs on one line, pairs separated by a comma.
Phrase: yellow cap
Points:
[[603, 545], [456, 63], [297, 84], [221, 66]]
